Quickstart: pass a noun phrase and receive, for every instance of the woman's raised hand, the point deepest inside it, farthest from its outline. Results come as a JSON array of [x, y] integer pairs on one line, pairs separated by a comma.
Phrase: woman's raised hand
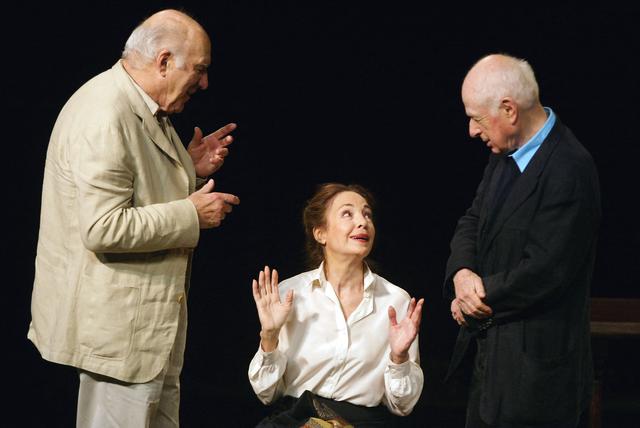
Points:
[[271, 311], [402, 334]]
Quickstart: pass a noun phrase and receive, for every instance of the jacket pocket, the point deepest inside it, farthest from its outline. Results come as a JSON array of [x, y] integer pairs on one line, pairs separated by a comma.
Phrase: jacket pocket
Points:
[[548, 388], [107, 315]]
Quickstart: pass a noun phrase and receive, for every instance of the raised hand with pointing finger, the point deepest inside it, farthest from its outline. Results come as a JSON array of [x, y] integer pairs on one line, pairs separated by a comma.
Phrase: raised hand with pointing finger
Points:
[[212, 207], [208, 152]]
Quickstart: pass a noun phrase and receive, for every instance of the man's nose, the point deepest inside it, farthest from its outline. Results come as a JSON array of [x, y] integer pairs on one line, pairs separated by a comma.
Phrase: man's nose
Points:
[[474, 129], [204, 81]]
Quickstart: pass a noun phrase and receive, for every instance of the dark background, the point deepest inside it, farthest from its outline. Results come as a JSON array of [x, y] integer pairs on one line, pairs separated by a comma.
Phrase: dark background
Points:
[[325, 91]]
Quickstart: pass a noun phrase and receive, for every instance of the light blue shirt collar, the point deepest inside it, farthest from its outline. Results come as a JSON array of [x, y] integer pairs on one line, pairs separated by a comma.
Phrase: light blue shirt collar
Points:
[[523, 155]]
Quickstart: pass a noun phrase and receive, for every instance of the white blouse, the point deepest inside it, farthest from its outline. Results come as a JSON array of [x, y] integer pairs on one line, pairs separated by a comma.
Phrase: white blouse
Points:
[[345, 360]]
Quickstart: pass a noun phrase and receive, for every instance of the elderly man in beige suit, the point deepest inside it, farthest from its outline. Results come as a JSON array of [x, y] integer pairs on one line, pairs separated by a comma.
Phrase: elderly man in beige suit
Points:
[[120, 218]]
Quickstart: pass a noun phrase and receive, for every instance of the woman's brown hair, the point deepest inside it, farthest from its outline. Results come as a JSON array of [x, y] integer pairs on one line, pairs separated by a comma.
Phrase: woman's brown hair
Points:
[[315, 215]]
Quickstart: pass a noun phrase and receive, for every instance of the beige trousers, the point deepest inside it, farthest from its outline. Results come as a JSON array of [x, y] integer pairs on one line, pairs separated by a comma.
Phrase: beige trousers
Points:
[[105, 402]]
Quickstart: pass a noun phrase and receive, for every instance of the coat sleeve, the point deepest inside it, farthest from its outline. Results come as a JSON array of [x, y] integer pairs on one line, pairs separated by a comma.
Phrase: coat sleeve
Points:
[[464, 242], [109, 222], [558, 245]]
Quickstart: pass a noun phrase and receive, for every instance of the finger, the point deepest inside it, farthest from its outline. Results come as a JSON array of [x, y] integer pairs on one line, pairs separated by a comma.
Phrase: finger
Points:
[[212, 224], [196, 140], [274, 282], [219, 205], [230, 199], [226, 141], [227, 197], [485, 309], [477, 305], [216, 161], [221, 152], [416, 316], [412, 306], [261, 282], [224, 131], [479, 288], [255, 290], [462, 306], [476, 312], [267, 279], [288, 299], [456, 312], [457, 308], [466, 307], [482, 309], [207, 188], [392, 316]]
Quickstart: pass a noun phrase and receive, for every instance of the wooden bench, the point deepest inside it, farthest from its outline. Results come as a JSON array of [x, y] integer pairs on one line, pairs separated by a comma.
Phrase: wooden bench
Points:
[[611, 319]]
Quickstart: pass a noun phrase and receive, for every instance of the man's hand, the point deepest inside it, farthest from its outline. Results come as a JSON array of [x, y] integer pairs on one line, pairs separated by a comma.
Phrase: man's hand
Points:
[[212, 207], [456, 313], [208, 153], [469, 294]]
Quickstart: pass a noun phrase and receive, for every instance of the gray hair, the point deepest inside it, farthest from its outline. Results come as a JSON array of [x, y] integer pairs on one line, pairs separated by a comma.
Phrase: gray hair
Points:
[[146, 41], [513, 78]]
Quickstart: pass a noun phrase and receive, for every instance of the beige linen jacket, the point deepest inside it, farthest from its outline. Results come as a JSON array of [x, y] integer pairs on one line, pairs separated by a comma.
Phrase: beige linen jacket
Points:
[[116, 235]]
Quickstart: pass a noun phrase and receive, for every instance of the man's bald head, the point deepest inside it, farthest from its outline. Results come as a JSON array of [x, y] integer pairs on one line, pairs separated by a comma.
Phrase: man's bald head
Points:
[[168, 29], [498, 76]]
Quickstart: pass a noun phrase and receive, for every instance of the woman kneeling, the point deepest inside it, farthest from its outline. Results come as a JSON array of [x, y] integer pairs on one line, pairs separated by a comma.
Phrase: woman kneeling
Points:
[[331, 345]]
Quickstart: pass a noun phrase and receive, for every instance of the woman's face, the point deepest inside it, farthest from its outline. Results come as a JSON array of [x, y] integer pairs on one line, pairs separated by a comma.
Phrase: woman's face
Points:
[[349, 229]]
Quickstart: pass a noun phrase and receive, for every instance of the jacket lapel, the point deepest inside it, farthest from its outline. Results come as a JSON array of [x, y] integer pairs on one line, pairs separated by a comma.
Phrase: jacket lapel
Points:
[[490, 193], [185, 159], [149, 123], [153, 130], [525, 184]]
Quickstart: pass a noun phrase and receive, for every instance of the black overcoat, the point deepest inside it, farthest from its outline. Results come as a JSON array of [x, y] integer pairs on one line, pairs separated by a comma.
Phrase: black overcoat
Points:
[[535, 259]]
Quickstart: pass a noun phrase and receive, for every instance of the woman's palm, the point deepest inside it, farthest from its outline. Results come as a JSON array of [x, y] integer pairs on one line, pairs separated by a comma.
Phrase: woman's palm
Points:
[[272, 312]]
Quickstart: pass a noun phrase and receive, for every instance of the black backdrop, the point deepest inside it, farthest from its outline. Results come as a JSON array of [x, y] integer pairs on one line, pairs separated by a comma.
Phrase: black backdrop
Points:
[[365, 93]]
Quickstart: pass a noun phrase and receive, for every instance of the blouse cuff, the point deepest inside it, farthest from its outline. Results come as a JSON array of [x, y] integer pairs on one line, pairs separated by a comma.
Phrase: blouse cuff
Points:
[[399, 370], [268, 358]]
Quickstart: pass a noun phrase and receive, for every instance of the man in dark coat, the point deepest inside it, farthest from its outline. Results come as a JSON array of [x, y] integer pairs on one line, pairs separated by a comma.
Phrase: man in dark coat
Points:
[[522, 256]]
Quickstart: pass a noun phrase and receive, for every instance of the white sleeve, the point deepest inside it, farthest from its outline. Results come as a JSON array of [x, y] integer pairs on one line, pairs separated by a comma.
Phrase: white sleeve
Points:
[[265, 374], [403, 383]]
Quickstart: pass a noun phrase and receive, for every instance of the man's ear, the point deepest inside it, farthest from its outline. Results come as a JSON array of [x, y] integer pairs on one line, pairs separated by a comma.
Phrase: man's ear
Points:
[[509, 108], [162, 61], [319, 235]]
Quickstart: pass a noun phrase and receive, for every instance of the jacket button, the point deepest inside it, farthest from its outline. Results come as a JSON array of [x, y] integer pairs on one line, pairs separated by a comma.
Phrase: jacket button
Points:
[[180, 298]]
